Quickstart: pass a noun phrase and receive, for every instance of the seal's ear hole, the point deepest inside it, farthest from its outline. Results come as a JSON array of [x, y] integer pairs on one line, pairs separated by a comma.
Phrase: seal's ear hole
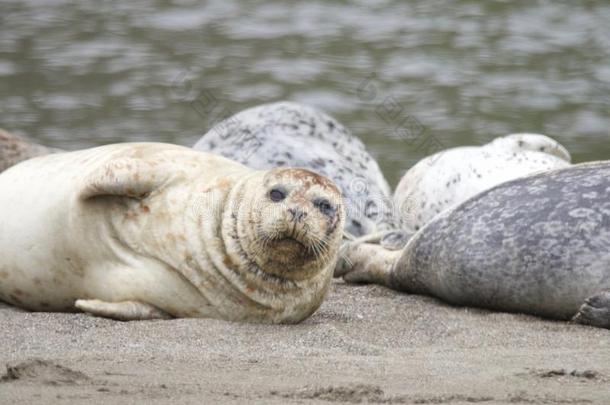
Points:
[[277, 194]]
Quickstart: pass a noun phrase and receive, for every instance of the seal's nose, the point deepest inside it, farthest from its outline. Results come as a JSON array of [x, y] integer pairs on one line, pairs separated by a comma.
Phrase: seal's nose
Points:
[[297, 215]]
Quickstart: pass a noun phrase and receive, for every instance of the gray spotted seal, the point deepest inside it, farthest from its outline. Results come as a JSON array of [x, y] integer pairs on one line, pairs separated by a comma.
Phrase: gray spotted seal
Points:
[[290, 134], [450, 177], [537, 245], [147, 230]]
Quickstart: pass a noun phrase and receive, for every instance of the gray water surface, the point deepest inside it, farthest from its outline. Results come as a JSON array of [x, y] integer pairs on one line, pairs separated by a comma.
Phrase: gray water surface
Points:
[[407, 77]]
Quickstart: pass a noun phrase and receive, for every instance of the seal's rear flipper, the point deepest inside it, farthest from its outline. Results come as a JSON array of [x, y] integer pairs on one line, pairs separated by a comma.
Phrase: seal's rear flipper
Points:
[[122, 311], [595, 311], [360, 263]]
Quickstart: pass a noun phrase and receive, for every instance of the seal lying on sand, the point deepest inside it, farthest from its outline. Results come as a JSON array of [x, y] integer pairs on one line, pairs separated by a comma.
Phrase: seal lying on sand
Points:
[[538, 245], [290, 134], [141, 231], [450, 177]]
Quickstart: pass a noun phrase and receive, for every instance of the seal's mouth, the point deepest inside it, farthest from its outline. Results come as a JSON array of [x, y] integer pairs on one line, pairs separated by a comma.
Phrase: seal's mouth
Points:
[[291, 243], [291, 248]]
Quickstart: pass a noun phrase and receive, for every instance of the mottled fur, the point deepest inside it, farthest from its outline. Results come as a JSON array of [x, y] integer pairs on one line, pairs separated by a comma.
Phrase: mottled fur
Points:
[[538, 245], [450, 177]]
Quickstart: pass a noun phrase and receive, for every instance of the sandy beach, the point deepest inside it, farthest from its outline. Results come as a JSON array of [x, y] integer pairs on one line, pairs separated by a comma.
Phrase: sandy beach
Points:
[[366, 344]]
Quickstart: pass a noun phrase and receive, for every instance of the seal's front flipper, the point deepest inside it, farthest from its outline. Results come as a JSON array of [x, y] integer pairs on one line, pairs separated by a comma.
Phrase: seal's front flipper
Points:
[[122, 311], [595, 311], [124, 177]]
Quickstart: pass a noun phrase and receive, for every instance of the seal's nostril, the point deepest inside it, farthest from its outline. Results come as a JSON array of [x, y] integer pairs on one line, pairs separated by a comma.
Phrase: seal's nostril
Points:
[[297, 215]]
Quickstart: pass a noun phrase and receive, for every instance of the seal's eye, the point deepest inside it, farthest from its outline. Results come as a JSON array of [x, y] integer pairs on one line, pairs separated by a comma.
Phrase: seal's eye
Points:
[[277, 194], [324, 206]]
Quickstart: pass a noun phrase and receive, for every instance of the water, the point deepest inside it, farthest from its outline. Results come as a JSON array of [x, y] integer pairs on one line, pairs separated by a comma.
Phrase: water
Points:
[[407, 77]]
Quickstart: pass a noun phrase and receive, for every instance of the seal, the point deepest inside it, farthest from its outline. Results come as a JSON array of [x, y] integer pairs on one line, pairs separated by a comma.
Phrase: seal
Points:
[[290, 134], [538, 245], [147, 230], [14, 149], [450, 177]]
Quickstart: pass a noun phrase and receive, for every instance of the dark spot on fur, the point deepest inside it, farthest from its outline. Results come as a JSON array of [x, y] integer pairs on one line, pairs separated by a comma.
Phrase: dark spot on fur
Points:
[[318, 162], [228, 262], [15, 298]]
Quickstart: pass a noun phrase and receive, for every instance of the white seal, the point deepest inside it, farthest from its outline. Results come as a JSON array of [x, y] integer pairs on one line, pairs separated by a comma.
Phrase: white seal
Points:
[[450, 177], [141, 231]]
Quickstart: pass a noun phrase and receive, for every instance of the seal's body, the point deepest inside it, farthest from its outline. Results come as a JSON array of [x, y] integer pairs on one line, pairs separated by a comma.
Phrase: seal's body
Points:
[[538, 245], [140, 231], [450, 177], [291, 134]]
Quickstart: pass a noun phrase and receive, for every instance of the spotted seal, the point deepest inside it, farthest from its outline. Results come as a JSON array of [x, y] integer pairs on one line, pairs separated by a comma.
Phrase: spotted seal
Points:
[[291, 134], [537, 245], [450, 177], [147, 230]]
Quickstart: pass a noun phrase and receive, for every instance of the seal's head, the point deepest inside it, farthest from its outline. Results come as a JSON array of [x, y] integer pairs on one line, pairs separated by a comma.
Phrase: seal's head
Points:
[[293, 223], [532, 142]]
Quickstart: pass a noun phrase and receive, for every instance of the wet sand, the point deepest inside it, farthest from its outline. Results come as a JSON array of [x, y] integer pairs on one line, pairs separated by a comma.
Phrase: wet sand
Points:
[[366, 344]]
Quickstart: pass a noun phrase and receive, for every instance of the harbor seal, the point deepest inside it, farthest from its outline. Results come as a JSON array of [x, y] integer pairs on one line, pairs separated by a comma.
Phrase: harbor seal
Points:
[[291, 134], [538, 245], [147, 230], [450, 177]]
